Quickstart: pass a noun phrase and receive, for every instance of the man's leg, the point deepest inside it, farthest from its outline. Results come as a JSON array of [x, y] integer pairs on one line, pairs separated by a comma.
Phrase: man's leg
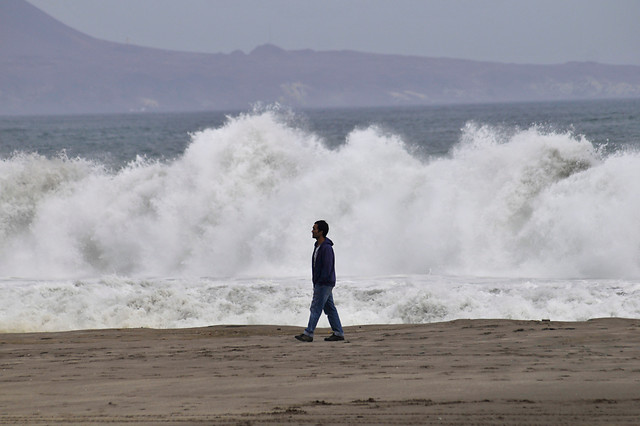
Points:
[[320, 295], [332, 314]]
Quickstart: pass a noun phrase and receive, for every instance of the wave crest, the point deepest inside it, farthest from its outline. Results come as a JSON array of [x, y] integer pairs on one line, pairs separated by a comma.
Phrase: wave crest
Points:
[[242, 198]]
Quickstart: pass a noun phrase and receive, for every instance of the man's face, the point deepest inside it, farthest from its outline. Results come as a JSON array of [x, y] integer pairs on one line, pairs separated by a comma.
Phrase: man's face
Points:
[[315, 232]]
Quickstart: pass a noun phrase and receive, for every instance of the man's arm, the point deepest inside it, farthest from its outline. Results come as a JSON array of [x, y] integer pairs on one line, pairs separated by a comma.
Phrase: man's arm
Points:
[[325, 265]]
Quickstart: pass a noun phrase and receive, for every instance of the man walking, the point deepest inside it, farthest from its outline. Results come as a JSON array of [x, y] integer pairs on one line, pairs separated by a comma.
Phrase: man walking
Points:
[[324, 279]]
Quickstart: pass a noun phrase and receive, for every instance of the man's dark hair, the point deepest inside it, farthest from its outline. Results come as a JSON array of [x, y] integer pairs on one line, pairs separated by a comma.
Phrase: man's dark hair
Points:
[[323, 227]]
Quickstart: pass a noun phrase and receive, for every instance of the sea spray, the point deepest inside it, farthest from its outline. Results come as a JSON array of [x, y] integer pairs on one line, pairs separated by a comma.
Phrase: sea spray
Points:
[[242, 197]]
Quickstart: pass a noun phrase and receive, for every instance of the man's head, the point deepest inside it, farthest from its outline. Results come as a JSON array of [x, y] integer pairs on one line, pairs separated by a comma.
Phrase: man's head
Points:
[[320, 228]]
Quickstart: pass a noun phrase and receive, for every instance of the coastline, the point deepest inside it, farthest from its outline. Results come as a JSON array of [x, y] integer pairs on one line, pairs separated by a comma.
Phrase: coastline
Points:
[[481, 371]]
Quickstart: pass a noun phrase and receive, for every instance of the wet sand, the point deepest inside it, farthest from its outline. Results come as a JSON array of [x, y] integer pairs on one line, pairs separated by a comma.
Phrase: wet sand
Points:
[[455, 373]]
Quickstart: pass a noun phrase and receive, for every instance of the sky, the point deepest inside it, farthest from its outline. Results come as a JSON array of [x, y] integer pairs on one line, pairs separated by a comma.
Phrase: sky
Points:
[[508, 31]]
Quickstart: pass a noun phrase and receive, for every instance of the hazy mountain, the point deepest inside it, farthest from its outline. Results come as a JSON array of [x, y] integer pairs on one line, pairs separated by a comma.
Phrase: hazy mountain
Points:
[[48, 67]]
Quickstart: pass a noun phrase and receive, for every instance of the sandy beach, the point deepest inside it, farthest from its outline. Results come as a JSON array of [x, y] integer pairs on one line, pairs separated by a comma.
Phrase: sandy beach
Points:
[[453, 373]]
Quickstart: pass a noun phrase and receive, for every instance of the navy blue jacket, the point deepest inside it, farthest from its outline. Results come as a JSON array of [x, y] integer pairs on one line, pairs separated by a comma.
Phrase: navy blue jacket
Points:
[[323, 269]]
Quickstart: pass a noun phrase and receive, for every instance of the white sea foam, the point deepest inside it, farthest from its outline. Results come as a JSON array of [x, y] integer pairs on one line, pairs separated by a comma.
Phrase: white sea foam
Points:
[[116, 302], [241, 200]]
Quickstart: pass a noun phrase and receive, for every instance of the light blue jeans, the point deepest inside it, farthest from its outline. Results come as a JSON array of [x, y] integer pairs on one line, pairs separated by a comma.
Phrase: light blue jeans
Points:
[[323, 300]]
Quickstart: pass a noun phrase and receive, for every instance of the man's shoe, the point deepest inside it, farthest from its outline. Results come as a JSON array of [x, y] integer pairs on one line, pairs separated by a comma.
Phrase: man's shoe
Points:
[[304, 338], [333, 338]]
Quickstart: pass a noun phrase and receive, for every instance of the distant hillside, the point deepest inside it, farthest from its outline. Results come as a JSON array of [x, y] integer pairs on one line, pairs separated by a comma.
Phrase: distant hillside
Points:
[[47, 67]]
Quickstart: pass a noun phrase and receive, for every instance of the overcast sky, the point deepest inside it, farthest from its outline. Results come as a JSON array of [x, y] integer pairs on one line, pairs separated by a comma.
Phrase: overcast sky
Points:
[[521, 31]]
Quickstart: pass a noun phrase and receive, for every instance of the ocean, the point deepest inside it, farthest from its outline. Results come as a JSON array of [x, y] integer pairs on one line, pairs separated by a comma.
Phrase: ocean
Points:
[[516, 211]]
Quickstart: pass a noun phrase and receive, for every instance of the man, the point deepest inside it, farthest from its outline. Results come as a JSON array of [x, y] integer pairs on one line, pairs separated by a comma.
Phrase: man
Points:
[[324, 279]]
